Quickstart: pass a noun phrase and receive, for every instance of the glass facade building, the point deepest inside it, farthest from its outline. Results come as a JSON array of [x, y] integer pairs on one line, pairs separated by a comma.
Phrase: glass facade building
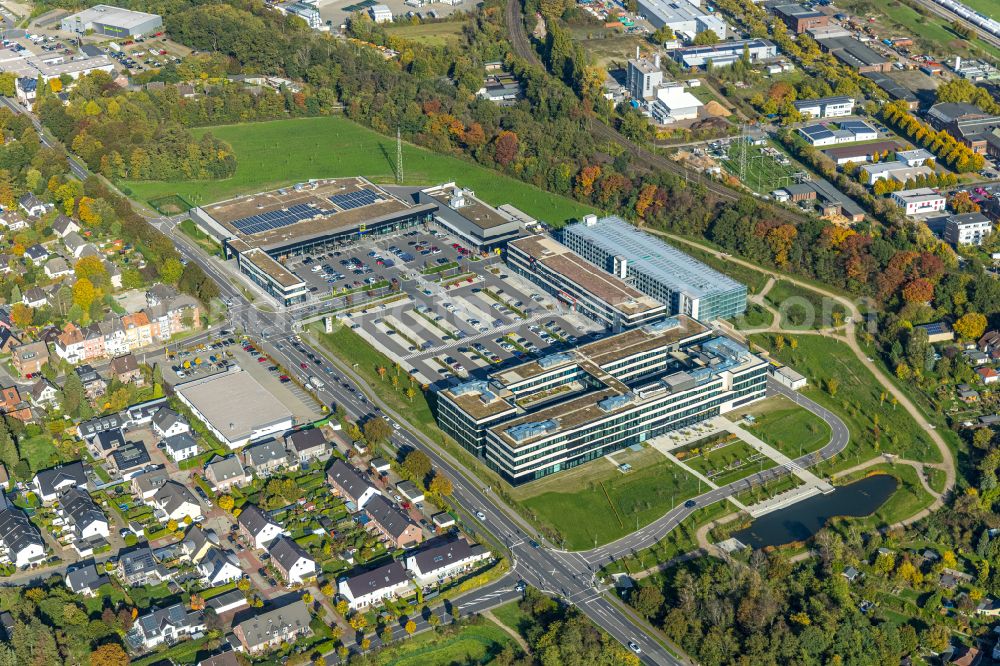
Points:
[[568, 408], [657, 269]]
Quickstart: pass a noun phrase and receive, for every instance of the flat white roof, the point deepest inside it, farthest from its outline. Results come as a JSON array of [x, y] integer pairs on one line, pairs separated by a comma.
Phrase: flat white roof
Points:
[[108, 15], [234, 403]]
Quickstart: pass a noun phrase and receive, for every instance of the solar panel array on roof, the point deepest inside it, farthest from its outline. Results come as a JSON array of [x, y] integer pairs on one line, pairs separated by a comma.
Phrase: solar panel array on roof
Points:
[[856, 126], [276, 219], [816, 132], [356, 199]]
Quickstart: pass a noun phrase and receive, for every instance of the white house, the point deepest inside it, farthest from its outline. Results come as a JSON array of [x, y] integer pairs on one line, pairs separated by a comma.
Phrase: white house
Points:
[[292, 561], [20, 541], [175, 502], [165, 625], [434, 563], [181, 447], [369, 588], [48, 484], [168, 423], [32, 205], [257, 527], [218, 567], [57, 268], [82, 515], [64, 226]]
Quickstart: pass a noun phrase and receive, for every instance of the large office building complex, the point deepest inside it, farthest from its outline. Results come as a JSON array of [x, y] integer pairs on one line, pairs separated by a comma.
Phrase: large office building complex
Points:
[[571, 407], [605, 298], [684, 284], [259, 230], [113, 22], [476, 223]]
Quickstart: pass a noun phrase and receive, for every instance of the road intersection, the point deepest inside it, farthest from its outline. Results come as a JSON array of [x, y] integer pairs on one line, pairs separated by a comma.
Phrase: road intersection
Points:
[[570, 576]]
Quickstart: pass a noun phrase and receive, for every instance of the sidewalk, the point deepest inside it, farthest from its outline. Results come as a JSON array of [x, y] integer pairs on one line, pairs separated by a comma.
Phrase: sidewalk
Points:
[[777, 456]]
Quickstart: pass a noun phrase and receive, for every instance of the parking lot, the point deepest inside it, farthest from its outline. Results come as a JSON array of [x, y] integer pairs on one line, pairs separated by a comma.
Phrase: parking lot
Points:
[[450, 329], [370, 264], [220, 354]]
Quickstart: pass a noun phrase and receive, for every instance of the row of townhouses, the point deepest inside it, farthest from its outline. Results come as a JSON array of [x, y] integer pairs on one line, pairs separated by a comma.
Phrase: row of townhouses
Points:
[[166, 315]]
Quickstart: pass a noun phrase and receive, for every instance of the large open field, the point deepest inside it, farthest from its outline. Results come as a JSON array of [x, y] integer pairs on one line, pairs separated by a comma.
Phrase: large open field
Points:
[[432, 34], [876, 425], [597, 503], [272, 154]]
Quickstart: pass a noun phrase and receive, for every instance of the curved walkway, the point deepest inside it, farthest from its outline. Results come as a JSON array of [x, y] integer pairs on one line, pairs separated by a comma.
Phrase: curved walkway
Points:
[[659, 528], [850, 337]]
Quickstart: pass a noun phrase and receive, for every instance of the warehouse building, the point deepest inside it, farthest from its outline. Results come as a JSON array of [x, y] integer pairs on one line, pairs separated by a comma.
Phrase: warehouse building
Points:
[[855, 54], [684, 284], [799, 19], [112, 22], [673, 103], [725, 53], [603, 297], [571, 407], [684, 17], [235, 407], [260, 230]]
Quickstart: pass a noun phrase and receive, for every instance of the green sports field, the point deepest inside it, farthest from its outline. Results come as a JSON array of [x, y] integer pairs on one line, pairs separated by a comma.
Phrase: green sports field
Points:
[[278, 153], [763, 173]]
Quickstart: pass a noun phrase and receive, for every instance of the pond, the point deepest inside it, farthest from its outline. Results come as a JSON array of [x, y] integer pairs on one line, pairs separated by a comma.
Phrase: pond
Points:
[[802, 520]]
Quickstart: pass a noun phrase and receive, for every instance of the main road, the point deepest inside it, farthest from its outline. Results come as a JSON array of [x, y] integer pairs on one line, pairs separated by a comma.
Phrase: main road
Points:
[[571, 576], [567, 575]]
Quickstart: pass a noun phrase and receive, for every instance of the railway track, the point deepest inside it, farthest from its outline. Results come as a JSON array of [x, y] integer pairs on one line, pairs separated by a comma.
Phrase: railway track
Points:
[[948, 15], [642, 157]]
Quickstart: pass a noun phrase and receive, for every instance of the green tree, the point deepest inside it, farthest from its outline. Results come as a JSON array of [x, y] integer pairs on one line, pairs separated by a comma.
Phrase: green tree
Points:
[[706, 38], [74, 396], [377, 430], [171, 270], [417, 464]]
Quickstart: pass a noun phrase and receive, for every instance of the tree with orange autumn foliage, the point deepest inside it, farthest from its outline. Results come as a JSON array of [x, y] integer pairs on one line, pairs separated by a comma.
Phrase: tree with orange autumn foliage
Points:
[[918, 291]]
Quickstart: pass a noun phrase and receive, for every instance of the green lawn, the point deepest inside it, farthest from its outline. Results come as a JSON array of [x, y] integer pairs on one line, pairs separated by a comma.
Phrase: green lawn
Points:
[[909, 498], [432, 34], [756, 316], [272, 154], [791, 429], [857, 399], [510, 615], [682, 539], [595, 503], [472, 644], [729, 463], [802, 308], [39, 452]]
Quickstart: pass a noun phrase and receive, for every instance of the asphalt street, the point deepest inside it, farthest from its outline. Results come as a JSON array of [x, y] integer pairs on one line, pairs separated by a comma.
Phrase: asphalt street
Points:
[[567, 575]]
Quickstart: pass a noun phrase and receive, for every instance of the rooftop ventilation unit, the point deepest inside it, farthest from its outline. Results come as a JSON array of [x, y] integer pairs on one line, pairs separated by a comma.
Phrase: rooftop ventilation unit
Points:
[[524, 431]]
